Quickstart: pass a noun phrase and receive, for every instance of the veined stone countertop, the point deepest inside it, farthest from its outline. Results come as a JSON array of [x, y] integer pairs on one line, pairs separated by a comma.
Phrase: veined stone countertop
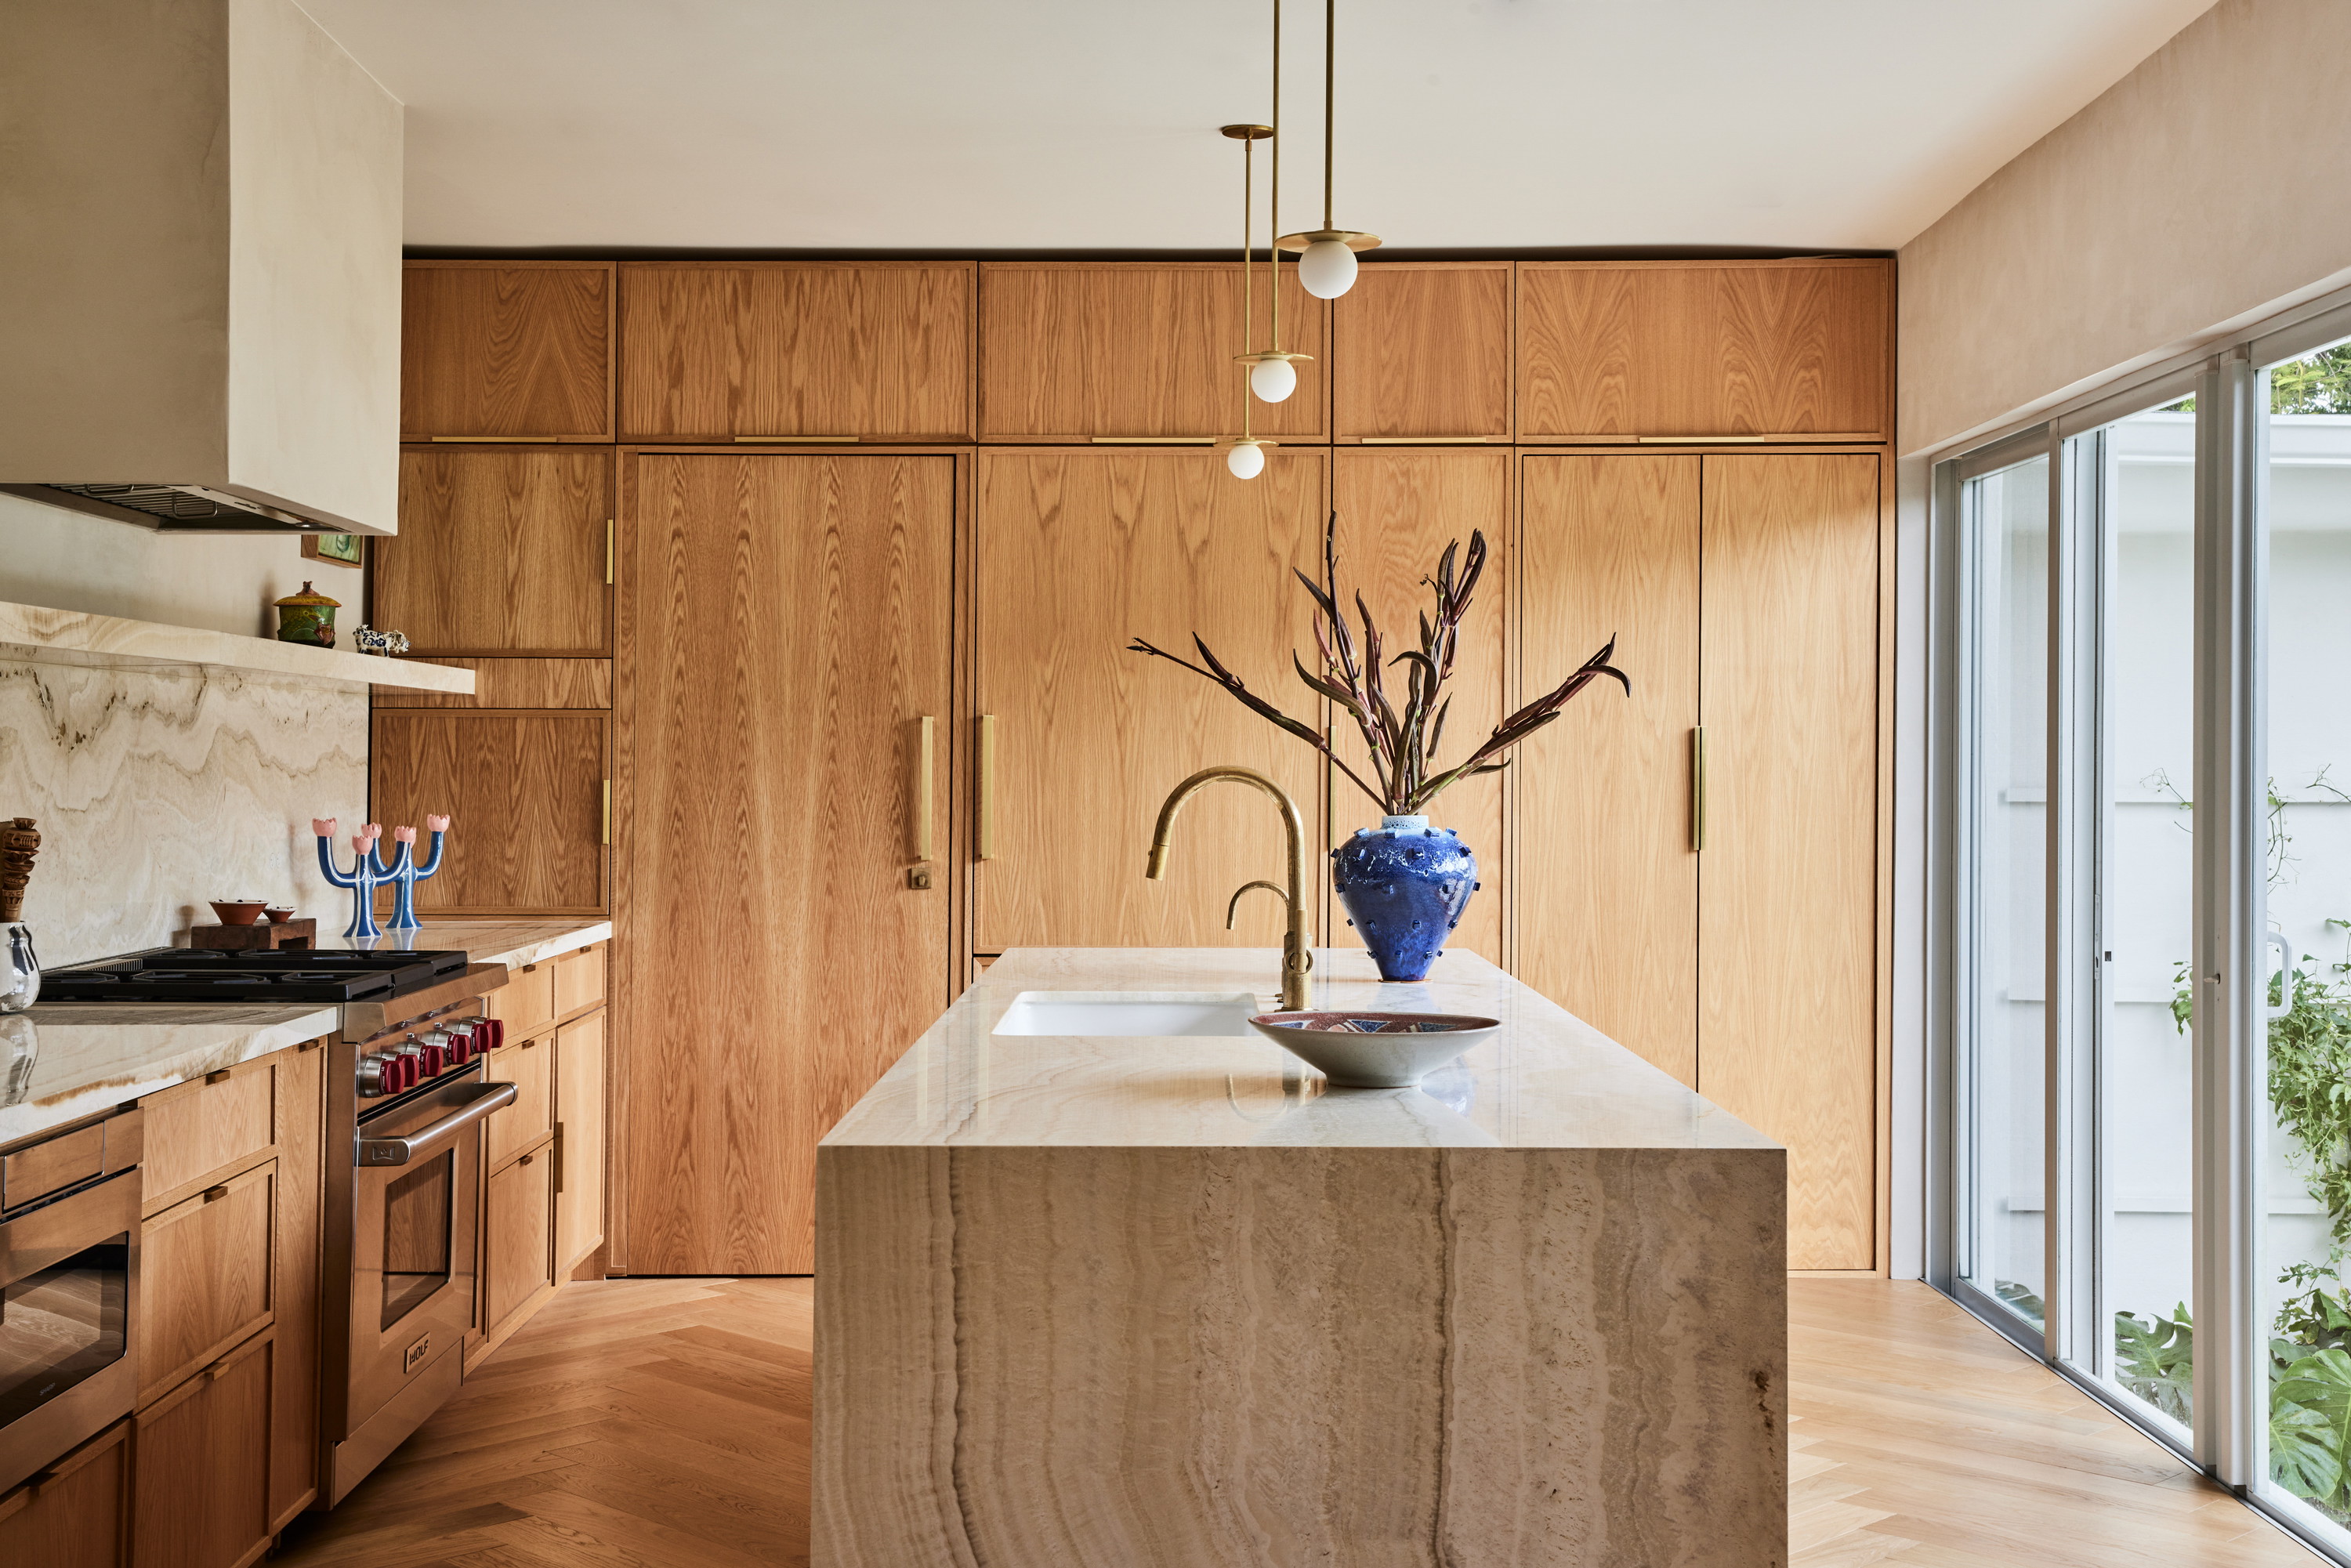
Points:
[[61, 1062], [1546, 1080], [65, 1061]]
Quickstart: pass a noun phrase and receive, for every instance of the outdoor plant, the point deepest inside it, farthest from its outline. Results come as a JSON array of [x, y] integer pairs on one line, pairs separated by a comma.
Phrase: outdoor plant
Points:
[[1403, 742]]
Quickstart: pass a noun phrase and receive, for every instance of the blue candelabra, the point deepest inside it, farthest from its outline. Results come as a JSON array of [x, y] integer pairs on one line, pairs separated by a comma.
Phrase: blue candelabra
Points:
[[363, 879], [403, 873]]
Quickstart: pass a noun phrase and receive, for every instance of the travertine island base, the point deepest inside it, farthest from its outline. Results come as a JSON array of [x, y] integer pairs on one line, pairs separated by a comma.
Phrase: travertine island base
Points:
[[1170, 1301]]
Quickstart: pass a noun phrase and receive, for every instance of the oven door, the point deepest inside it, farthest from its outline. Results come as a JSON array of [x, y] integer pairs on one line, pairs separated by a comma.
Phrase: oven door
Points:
[[68, 1329], [415, 1187]]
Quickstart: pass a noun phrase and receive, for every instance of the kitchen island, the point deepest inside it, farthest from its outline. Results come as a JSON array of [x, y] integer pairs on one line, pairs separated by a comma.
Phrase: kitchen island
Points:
[[1086, 1300]]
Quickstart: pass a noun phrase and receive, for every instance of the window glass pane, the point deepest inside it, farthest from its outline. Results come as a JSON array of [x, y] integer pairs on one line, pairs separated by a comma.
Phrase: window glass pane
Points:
[[2305, 1200], [2010, 680], [2145, 1134]]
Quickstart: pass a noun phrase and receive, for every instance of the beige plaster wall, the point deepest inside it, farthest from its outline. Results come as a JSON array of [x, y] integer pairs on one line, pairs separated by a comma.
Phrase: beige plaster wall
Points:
[[2203, 191]]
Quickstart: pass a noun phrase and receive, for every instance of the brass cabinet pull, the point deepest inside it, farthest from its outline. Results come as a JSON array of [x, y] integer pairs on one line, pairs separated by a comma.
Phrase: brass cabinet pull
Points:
[[1698, 788], [559, 1161], [609, 543], [924, 755], [1427, 440], [604, 835], [844, 439], [987, 835], [1152, 439]]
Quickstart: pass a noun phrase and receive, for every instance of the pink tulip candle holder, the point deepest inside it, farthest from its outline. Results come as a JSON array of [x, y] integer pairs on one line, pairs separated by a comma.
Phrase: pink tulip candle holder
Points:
[[404, 874], [370, 870]]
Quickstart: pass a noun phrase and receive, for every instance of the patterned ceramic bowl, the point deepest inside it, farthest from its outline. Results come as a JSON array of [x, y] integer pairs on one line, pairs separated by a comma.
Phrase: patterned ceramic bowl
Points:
[[1374, 1050]]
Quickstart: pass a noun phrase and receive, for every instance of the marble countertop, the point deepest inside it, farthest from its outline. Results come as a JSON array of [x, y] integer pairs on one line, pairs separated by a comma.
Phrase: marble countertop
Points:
[[60, 1061], [1545, 1080]]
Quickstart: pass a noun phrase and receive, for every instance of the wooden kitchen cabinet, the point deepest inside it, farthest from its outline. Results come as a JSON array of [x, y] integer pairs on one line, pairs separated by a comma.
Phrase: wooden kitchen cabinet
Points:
[[501, 550], [1798, 350], [200, 1465], [1098, 352], [1079, 553], [518, 1239], [530, 1066], [865, 350], [1422, 349], [1397, 510], [507, 350], [578, 1141], [525, 793], [76, 1513], [1607, 898], [772, 801], [577, 980], [206, 1280]]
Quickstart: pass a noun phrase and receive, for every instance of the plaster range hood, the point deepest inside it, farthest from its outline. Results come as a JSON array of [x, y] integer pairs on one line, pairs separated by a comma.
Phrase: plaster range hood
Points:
[[200, 214]]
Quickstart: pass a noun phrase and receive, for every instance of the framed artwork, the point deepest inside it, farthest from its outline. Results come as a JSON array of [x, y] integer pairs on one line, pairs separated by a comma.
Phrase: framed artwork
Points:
[[343, 550]]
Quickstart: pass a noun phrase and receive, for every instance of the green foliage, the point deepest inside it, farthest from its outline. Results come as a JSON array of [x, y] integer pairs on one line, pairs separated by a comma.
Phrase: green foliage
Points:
[[2155, 1358], [2021, 1297], [2316, 383]]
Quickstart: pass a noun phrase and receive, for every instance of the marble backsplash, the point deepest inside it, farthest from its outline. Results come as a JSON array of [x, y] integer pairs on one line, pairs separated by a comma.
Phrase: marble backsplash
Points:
[[156, 790]]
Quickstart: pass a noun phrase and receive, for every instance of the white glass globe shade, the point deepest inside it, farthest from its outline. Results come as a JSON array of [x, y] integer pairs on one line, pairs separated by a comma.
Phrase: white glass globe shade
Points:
[[1327, 269], [1246, 461], [1273, 380]]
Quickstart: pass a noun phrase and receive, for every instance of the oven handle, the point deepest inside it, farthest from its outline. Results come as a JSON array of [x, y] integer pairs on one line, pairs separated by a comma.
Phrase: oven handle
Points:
[[485, 1098]]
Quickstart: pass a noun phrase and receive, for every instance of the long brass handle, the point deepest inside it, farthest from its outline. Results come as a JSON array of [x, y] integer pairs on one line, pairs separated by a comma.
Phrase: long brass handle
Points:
[[1427, 440], [925, 749], [843, 440], [1152, 439], [609, 543], [986, 762], [1698, 788], [607, 834], [1753, 439]]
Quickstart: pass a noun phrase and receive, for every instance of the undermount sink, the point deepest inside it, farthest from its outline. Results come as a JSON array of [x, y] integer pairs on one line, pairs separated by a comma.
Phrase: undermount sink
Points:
[[1130, 1013]]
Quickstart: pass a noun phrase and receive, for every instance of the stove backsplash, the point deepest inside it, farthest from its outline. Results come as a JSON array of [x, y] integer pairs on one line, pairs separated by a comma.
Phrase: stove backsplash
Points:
[[156, 790]]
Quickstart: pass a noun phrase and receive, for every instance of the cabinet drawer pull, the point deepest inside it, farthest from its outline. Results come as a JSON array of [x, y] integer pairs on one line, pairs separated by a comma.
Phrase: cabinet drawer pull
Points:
[[986, 849], [215, 1194], [525, 1159], [1427, 440], [559, 1161], [220, 1075], [605, 835], [1152, 439], [217, 1371], [528, 1043], [608, 552], [842, 439], [925, 747]]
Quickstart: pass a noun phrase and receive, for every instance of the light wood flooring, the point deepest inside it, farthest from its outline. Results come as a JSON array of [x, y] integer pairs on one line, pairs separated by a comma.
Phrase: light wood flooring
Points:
[[657, 1422]]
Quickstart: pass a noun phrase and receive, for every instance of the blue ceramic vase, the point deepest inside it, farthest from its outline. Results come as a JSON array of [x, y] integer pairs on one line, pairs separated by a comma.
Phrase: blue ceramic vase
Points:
[[1405, 886]]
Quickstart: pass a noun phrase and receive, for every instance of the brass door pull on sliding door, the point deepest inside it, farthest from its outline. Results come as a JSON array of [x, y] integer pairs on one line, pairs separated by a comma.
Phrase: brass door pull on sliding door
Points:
[[924, 748], [986, 849]]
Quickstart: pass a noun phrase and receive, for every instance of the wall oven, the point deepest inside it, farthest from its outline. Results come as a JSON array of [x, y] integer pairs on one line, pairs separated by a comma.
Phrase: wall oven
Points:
[[69, 1290], [405, 1115]]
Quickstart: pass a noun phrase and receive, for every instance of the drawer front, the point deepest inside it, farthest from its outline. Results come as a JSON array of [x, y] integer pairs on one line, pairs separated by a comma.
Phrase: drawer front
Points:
[[530, 1067], [195, 1129], [200, 1466], [579, 980], [519, 1246], [206, 1278], [50, 1167], [526, 1001]]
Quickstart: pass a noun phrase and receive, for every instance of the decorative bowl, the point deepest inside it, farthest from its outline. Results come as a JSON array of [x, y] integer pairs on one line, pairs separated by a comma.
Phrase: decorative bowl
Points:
[[238, 911], [279, 913], [1374, 1050]]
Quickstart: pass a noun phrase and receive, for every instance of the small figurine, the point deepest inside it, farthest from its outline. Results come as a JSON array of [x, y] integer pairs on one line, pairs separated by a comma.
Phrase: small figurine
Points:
[[403, 873], [363, 879], [368, 641]]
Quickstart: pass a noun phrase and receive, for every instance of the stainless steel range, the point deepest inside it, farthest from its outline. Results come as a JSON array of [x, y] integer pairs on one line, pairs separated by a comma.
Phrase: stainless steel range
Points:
[[405, 1101]]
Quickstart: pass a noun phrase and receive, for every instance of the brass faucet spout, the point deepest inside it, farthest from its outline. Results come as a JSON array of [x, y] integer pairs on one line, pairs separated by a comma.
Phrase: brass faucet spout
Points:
[[1296, 959]]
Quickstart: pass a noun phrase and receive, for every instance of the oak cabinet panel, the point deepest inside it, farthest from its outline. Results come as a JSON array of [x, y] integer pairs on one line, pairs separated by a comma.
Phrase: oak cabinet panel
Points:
[[512, 350], [1787, 1014], [526, 1001], [1608, 887], [1423, 349], [1799, 349], [207, 1277], [1079, 351], [517, 1238], [1078, 554], [524, 793], [1397, 510], [295, 1253], [530, 1066], [777, 727], [578, 1141], [579, 980], [500, 550], [514, 683], [194, 1129], [878, 351], [79, 1515], [200, 1466]]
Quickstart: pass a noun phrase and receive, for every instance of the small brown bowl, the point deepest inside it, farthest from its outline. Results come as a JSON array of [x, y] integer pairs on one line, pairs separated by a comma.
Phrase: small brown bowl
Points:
[[238, 911], [279, 913]]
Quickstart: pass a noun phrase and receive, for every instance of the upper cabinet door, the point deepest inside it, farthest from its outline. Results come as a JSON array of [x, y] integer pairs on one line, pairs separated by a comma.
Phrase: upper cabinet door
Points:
[[507, 350], [500, 550], [873, 350], [1785, 350], [1078, 554], [1109, 351], [1421, 350]]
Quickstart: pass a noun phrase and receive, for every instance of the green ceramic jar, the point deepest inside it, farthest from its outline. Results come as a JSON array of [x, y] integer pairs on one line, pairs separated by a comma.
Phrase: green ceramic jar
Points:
[[308, 617]]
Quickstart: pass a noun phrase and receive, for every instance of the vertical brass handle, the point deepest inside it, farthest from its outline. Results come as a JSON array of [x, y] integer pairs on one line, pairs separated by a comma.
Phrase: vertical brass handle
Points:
[[1698, 788], [924, 751], [987, 835], [607, 837], [609, 544]]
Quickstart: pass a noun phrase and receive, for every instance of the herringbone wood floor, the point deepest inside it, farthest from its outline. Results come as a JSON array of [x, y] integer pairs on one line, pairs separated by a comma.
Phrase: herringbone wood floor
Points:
[[660, 1422]]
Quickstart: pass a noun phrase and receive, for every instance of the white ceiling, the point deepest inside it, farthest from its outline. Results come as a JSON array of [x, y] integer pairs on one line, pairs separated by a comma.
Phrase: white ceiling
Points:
[[890, 125]]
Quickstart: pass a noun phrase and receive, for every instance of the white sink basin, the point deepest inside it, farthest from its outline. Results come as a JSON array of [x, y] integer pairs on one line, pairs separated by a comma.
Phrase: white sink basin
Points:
[[1130, 1013]]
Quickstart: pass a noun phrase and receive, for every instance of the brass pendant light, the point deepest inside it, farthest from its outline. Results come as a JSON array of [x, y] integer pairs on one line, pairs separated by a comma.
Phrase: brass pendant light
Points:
[[1244, 453], [1326, 263], [1272, 374]]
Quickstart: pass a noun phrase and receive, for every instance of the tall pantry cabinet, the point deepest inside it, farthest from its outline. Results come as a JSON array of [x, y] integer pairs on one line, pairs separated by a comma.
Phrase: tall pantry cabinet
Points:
[[808, 586]]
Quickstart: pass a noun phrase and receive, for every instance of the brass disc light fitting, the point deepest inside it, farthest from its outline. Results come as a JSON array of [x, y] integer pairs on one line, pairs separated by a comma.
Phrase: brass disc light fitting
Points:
[[1326, 261], [1273, 374], [1244, 453]]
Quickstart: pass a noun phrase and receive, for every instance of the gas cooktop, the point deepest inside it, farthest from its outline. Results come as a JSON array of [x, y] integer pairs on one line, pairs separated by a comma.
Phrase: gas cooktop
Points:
[[185, 975]]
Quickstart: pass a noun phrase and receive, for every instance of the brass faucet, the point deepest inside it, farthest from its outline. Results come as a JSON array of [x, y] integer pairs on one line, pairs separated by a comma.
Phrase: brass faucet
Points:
[[1297, 960]]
